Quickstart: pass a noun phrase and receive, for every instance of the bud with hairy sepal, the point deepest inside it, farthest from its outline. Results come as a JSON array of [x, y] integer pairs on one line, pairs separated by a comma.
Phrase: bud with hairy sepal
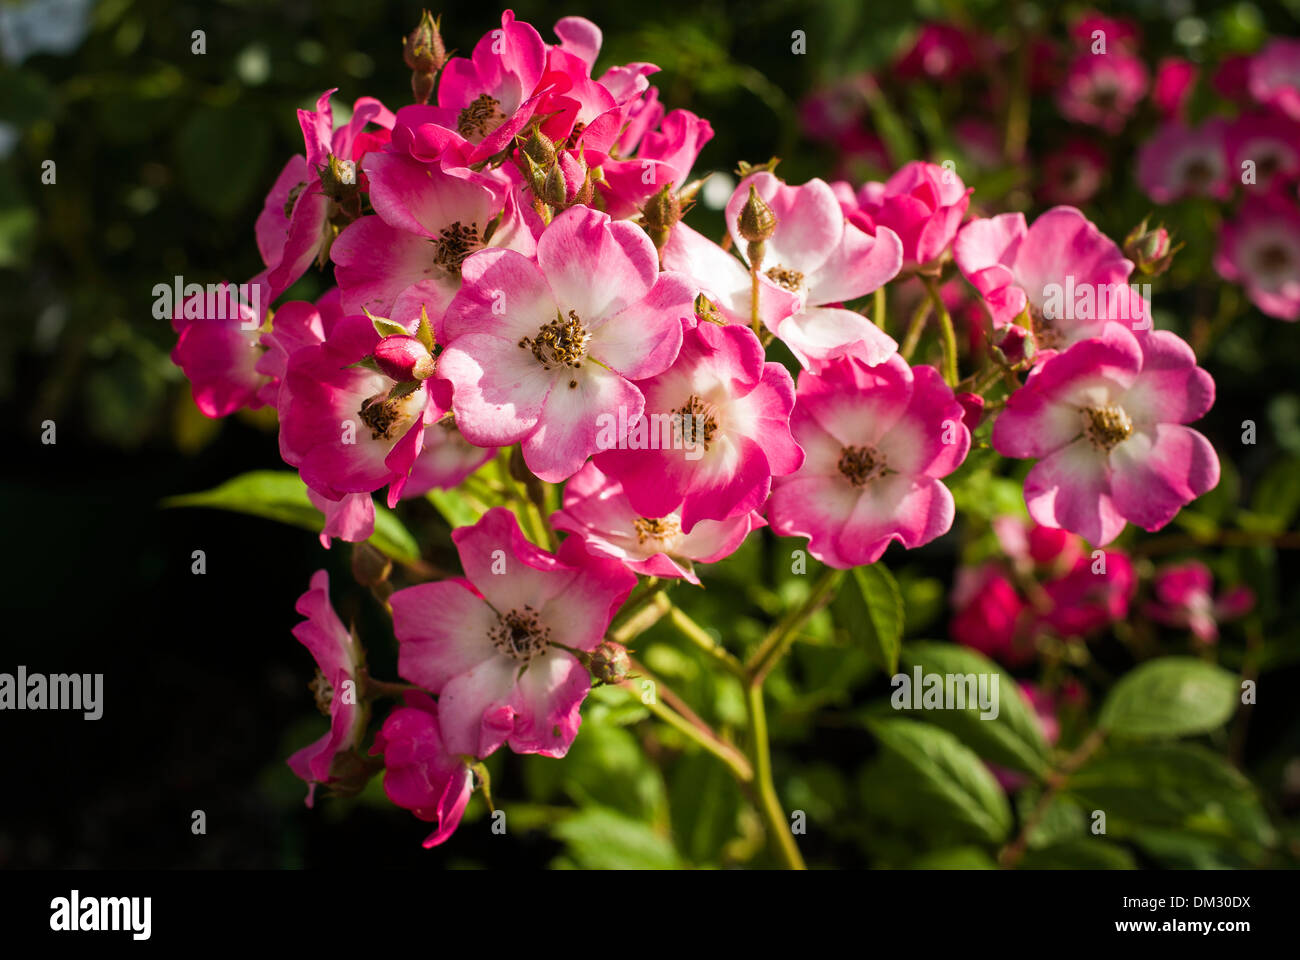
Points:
[[404, 358], [1151, 250], [660, 214], [609, 662], [539, 148], [424, 53], [756, 224]]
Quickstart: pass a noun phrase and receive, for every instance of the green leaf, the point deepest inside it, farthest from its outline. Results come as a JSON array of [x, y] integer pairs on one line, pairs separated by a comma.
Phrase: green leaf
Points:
[[1061, 821], [1170, 697], [601, 839], [458, 508], [705, 804], [1277, 495], [606, 768], [1013, 738], [948, 777], [1082, 853], [281, 495], [871, 606], [954, 858], [1176, 786]]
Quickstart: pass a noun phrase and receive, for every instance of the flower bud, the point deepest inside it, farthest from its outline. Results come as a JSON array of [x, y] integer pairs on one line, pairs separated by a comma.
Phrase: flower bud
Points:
[[609, 662], [756, 224], [422, 48], [338, 179], [660, 214], [1152, 251], [757, 221], [403, 358], [539, 148]]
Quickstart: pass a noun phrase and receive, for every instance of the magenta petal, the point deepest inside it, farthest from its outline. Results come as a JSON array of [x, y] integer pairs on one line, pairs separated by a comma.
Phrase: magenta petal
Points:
[[1071, 489], [1156, 473]]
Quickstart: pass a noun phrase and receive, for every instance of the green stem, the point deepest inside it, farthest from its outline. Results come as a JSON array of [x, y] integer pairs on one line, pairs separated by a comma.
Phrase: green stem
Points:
[[782, 636], [682, 719], [879, 307], [753, 300], [778, 827], [693, 632], [1013, 851], [639, 597], [915, 327], [946, 329]]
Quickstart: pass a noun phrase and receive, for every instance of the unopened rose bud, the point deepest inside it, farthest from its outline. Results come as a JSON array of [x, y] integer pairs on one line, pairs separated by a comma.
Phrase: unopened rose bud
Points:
[[1152, 251], [338, 179], [424, 53], [610, 662], [756, 224], [403, 358], [554, 191], [540, 148], [660, 214], [422, 48], [972, 409]]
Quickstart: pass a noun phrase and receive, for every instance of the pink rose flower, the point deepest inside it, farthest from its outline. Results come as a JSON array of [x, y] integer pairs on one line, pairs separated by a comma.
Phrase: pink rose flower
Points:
[[218, 348], [539, 350], [347, 428], [1181, 161], [1184, 597], [1119, 33], [988, 615], [924, 204], [1260, 249], [1061, 269], [597, 509], [337, 661], [1102, 90], [493, 646], [1274, 76], [1174, 83], [715, 431], [430, 219], [939, 52], [489, 97], [876, 442], [1073, 174], [420, 773], [824, 260], [663, 157], [1269, 141], [1106, 418], [293, 227]]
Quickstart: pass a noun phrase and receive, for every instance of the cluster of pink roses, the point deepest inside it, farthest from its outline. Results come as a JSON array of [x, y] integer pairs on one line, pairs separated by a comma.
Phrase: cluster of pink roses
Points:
[[1257, 150], [512, 269], [1248, 158]]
